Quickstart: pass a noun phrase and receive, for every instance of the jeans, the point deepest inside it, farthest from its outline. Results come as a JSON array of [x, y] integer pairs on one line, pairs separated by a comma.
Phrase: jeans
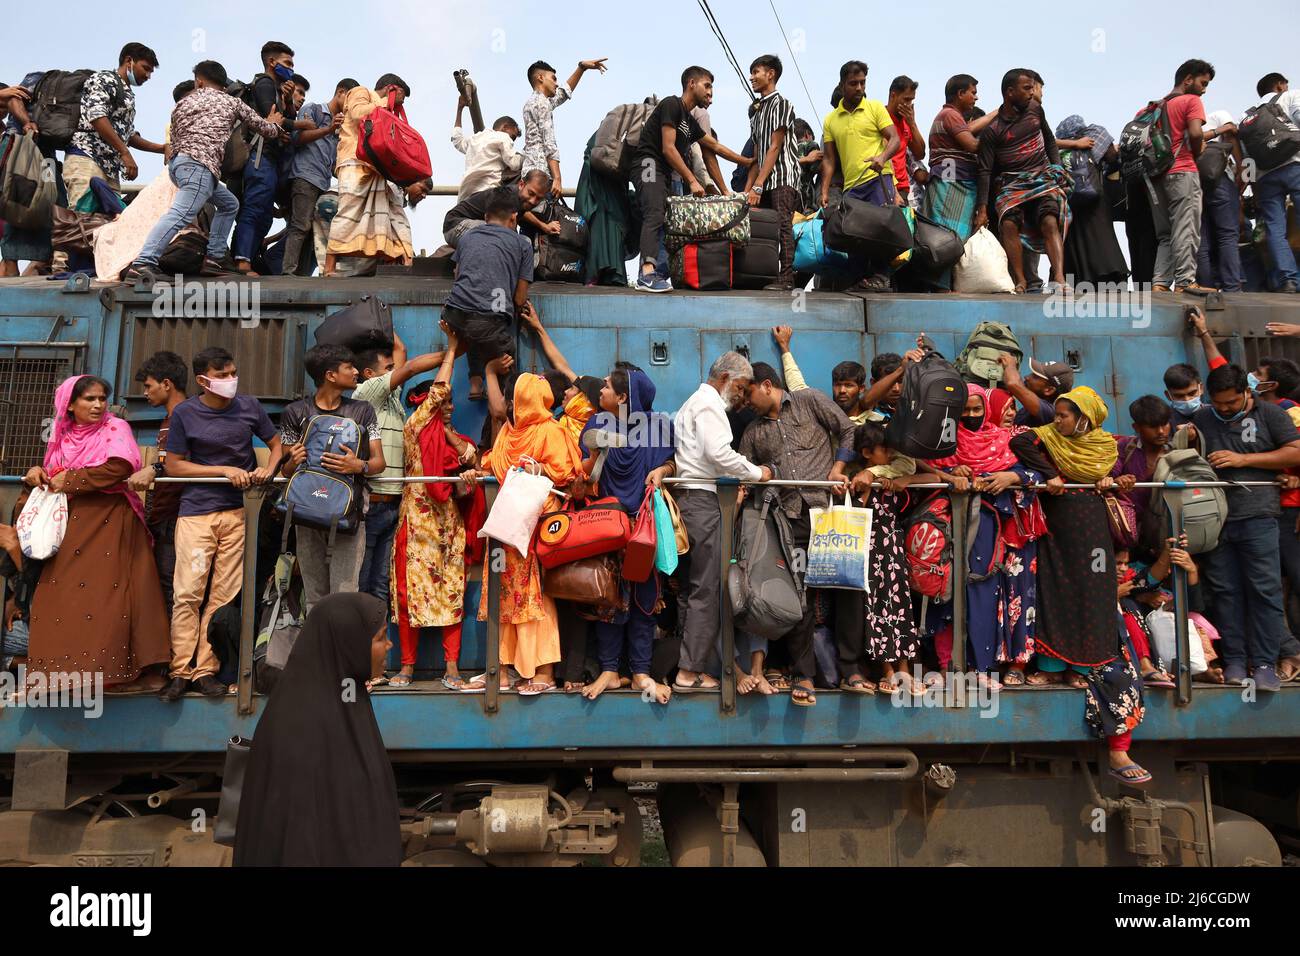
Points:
[[196, 186], [1271, 190], [1176, 212], [652, 194], [381, 528], [302, 210], [1245, 577], [260, 184], [1218, 263], [164, 555], [14, 644]]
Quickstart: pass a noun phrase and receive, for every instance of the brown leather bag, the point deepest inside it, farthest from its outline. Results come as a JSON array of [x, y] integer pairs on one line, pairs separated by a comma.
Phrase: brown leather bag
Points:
[[73, 232], [591, 581]]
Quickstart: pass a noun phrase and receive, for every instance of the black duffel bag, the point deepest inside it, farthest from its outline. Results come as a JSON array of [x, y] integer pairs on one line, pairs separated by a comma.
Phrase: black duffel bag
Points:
[[366, 324], [557, 262], [865, 229], [935, 247], [573, 227]]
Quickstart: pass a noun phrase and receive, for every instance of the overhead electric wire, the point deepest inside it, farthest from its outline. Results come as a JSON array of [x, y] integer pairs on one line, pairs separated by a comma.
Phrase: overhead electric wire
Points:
[[726, 47], [785, 36]]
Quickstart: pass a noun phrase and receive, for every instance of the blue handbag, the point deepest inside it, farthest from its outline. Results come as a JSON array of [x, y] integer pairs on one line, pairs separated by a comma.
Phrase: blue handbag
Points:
[[811, 254], [665, 537]]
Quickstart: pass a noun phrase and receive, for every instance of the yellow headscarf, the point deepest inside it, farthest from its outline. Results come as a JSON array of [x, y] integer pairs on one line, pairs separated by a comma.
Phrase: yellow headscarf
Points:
[[577, 412], [1087, 457]]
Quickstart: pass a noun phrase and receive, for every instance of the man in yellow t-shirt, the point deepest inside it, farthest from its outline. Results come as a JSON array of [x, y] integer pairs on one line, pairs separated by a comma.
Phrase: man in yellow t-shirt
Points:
[[859, 136]]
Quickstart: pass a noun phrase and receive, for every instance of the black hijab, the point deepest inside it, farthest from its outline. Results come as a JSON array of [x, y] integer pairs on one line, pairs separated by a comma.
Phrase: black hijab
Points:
[[319, 789]]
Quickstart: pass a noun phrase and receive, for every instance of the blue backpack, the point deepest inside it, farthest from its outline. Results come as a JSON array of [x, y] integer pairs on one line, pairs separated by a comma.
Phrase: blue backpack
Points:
[[315, 496]]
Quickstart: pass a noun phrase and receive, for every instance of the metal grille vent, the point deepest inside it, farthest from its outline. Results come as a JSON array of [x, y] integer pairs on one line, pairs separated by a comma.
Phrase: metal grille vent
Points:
[[26, 402]]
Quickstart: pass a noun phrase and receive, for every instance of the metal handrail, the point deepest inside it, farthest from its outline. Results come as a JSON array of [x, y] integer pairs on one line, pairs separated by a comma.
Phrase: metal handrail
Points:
[[728, 494]]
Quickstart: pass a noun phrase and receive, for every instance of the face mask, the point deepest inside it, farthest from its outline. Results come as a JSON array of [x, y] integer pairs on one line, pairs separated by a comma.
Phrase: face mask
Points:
[[1082, 427], [130, 75], [222, 387], [1228, 421], [283, 73], [1252, 381], [1188, 407], [972, 423]]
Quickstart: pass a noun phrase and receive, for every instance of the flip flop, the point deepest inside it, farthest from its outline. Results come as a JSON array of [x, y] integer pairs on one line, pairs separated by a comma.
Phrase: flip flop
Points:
[[1140, 775], [400, 681], [696, 686], [1013, 678], [858, 685], [1157, 678], [524, 689], [454, 683], [808, 698]]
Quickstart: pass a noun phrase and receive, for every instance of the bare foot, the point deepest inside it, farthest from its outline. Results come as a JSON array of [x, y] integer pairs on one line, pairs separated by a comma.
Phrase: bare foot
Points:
[[651, 689], [606, 681], [763, 685], [746, 683], [573, 686]]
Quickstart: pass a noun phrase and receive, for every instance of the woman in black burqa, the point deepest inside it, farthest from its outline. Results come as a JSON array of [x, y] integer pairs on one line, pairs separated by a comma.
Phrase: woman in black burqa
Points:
[[319, 789]]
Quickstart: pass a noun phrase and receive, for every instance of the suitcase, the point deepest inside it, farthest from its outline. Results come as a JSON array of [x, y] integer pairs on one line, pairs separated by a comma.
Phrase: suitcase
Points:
[[758, 262], [877, 232], [704, 266]]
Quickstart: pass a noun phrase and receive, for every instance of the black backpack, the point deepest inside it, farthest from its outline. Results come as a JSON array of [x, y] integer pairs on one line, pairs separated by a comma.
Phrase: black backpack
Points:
[[766, 592], [929, 411], [1268, 136], [1146, 145], [56, 104]]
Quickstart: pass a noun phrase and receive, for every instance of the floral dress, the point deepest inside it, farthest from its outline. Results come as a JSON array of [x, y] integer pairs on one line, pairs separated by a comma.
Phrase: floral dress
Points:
[[428, 564], [891, 633]]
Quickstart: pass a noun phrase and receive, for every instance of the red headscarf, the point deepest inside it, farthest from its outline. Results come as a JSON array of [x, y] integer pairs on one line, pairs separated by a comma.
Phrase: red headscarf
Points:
[[987, 448], [88, 446], [997, 403], [438, 459]]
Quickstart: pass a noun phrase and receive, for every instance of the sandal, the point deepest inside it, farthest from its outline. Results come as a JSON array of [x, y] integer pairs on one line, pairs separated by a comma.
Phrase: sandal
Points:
[[1288, 669], [1133, 775], [1042, 678], [573, 686], [1075, 680], [695, 686], [454, 683], [780, 682], [1013, 678], [1157, 678], [533, 688], [400, 681], [802, 696], [857, 684], [989, 681]]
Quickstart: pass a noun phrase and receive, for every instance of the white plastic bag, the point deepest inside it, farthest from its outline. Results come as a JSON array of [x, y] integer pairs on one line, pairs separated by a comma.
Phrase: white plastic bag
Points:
[[983, 267], [41, 525], [1164, 643], [839, 547], [518, 506]]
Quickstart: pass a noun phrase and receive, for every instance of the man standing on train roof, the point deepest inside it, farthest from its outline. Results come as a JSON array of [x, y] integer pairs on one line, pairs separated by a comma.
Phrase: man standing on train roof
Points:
[[541, 151]]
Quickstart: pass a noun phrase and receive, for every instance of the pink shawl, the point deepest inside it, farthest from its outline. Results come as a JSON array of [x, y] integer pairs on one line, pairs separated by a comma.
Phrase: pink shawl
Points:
[[87, 446], [985, 450]]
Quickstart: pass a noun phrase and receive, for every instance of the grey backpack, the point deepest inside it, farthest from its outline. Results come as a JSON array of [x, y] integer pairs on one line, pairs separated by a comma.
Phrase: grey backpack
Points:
[[767, 594], [1200, 511], [618, 137], [27, 187]]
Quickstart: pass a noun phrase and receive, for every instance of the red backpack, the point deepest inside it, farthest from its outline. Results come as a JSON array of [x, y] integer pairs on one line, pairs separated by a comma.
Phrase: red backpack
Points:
[[927, 537], [391, 145]]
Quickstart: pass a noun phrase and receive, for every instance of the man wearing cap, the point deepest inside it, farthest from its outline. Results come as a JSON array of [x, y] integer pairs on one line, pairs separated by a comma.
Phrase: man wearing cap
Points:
[[1038, 391], [201, 126], [371, 222]]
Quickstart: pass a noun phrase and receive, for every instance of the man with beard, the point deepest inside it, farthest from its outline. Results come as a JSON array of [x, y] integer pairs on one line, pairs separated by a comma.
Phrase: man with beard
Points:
[[703, 451]]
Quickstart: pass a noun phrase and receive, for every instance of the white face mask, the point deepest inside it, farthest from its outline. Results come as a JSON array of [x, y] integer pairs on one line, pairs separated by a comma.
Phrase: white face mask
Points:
[[221, 387]]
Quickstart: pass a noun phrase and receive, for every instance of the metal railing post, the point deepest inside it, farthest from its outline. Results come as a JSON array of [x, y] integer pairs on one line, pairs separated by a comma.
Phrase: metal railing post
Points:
[[1182, 636], [960, 503], [248, 606], [728, 490]]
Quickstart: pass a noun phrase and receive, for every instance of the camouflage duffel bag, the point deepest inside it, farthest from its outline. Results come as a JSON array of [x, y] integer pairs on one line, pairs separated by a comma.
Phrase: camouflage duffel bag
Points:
[[692, 219]]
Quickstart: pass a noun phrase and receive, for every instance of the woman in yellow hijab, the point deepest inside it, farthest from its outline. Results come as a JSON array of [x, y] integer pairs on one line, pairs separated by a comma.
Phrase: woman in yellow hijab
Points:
[[1078, 639], [530, 634]]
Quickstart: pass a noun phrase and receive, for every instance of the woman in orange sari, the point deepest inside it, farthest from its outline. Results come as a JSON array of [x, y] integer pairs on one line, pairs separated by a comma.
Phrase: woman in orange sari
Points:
[[530, 633]]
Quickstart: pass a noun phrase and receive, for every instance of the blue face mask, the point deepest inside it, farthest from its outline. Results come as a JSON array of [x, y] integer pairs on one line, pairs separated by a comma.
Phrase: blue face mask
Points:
[[283, 73], [1252, 381], [1188, 407], [1229, 421], [130, 75]]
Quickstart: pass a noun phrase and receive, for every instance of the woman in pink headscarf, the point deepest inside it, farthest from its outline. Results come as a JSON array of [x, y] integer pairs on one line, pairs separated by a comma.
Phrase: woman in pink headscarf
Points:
[[98, 607], [1001, 593]]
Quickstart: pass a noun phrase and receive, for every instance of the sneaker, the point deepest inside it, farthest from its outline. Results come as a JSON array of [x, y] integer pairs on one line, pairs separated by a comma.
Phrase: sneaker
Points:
[[653, 282], [209, 686], [1266, 679], [1234, 674], [217, 267], [143, 272], [1288, 287], [1196, 289], [174, 689], [779, 287]]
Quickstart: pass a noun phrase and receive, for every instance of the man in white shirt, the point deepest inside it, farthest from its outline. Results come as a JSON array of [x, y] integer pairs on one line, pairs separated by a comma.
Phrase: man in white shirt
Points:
[[1274, 186], [490, 156], [703, 451]]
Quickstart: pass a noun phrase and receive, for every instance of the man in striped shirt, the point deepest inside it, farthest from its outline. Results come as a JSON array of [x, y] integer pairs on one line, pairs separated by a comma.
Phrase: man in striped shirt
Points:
[[773, 181]]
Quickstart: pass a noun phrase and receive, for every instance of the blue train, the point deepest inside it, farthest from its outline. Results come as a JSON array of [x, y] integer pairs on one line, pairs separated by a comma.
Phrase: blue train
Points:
[[854, 781]]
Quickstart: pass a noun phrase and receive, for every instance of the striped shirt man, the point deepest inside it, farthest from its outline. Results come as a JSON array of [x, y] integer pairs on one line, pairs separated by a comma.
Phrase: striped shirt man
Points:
[[774, 112]]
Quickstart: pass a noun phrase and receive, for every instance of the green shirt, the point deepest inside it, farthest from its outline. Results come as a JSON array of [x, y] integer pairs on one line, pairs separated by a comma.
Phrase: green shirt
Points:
[[387, 402]]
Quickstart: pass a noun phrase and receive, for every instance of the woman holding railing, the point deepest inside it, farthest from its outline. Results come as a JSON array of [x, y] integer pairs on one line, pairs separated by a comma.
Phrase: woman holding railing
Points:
[[1080, 641]]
